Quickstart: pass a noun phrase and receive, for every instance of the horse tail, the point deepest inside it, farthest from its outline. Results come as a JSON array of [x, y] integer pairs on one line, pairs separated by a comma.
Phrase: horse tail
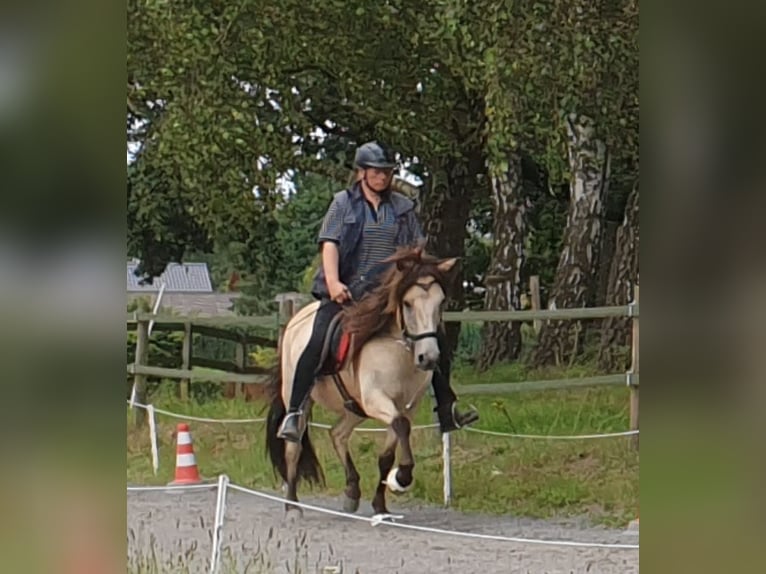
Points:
[[309, 467], [275, 446]]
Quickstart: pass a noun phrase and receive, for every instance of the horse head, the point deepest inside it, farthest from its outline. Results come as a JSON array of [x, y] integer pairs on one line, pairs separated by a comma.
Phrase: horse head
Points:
[[408, 303]]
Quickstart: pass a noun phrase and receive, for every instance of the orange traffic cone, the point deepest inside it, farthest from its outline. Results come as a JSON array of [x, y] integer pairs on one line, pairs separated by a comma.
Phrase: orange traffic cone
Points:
[[186, 464]]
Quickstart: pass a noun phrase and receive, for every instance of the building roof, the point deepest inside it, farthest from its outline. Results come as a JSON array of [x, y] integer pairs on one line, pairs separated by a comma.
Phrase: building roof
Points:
[[177, 277], [195, 304]]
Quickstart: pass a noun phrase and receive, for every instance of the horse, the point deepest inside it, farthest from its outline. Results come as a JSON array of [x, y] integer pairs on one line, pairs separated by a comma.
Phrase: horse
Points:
[[392, 350]]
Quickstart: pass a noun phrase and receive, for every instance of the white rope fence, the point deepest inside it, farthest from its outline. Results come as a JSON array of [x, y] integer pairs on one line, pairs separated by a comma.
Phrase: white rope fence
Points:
[[445, 437], [223, 484], [416, 427], [554, 436]]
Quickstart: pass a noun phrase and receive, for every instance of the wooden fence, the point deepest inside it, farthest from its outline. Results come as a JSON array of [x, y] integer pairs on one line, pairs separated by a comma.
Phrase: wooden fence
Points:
[[240, 373]]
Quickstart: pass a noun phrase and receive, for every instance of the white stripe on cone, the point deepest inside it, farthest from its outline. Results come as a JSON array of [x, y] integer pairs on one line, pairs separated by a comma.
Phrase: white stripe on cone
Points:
[[184, 438], [185, 460]]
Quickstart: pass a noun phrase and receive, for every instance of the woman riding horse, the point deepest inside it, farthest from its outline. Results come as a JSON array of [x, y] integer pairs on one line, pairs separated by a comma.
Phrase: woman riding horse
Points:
[[363, 226]]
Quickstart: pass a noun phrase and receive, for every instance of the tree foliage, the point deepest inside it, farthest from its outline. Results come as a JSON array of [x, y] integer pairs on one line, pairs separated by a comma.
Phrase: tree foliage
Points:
[[223, 98]]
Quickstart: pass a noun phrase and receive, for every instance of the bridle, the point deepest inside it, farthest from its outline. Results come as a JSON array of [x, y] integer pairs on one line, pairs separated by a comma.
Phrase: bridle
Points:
[[408, 337]]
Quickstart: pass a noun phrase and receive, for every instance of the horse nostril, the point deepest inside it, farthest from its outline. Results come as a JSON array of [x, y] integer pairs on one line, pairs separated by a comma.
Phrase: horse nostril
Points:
[[421, 358]]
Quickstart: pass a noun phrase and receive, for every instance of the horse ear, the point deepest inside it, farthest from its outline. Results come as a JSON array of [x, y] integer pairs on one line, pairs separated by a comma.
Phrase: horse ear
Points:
[[446, 265], [404, 264]]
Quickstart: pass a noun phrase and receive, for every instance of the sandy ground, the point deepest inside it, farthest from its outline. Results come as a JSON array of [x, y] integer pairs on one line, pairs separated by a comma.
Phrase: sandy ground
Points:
[[259, 538]]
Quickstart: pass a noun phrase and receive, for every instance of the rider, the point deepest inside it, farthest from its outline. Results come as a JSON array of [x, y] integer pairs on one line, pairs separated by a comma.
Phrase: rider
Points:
[[364, 225]]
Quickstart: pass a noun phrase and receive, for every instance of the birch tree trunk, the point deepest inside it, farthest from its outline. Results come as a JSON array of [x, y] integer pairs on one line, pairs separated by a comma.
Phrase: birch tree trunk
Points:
[[502, 341], [577, 272], [623, 277], [444, 212]]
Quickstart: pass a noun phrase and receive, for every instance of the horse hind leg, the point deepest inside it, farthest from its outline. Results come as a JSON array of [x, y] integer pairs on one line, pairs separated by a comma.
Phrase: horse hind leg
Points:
[[292, 456], [340, 433]]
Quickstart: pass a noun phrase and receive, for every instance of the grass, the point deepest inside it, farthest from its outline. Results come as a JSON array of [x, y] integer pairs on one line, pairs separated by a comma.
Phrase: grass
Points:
[[597, 479]]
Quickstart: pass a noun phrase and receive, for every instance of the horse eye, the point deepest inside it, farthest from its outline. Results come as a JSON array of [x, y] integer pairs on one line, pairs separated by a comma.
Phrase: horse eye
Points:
[[407, 304]]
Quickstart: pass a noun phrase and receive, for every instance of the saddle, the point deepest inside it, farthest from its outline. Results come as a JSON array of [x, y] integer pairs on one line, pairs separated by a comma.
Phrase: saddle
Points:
[[334, 350], [331, 361]]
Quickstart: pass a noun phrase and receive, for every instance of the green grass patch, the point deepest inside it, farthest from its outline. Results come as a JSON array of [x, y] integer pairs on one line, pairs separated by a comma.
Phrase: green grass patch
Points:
[[593, 478]]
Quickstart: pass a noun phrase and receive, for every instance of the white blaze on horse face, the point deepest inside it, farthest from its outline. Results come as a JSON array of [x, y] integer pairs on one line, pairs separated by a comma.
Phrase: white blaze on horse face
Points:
[[422, 314]]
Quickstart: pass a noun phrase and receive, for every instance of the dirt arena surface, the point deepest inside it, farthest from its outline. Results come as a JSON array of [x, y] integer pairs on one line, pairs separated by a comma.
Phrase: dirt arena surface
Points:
[[164, 527]]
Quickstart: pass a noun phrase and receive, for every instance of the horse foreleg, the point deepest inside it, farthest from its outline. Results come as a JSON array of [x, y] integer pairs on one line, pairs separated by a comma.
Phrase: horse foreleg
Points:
[[340, 433], [400, 478], [385, 463], [292, 455]]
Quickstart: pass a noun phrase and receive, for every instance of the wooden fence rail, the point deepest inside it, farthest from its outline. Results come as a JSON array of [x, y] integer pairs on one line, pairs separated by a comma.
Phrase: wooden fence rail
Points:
[[239, 372], [272, 321]]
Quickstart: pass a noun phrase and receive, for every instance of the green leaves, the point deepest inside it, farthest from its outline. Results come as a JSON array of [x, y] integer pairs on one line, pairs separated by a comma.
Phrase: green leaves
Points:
[[231, 94]]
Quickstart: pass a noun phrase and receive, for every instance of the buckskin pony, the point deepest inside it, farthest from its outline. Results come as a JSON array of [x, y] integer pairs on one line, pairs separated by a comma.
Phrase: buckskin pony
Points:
[[380, 356]]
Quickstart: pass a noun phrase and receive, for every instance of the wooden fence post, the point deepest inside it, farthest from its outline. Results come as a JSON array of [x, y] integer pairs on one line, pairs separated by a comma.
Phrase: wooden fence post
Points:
[[534, 293], [634, 369], [139, 380], [286, 311], [241, 360], [186, 360]]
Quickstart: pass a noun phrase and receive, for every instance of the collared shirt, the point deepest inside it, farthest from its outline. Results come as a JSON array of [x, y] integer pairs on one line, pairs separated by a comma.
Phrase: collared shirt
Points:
[[365, 237], [378, 238]]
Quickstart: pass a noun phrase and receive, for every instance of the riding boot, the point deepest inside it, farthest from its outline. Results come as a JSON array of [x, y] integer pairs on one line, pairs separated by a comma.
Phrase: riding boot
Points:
[[291, 428], [450, 418]]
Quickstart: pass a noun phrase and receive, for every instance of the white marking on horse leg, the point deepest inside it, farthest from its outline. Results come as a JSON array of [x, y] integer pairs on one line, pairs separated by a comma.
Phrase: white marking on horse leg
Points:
[[393, 484], [385, 463]]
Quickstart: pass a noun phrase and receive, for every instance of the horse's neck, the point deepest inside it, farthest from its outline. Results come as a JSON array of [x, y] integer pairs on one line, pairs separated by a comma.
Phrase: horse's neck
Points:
[[395, 327], [392, 330]]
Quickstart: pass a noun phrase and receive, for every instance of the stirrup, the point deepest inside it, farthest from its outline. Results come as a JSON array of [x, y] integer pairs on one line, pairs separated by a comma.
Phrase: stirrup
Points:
[[451, 419], [290, 429]]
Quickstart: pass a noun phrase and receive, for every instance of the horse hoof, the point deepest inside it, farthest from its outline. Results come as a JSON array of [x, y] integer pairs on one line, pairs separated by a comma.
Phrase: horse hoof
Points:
[[393, 484], [293, 513], [350, 504]]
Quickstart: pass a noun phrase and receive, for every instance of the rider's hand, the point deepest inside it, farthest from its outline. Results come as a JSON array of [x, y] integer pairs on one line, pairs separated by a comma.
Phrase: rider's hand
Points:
[[338, 291]]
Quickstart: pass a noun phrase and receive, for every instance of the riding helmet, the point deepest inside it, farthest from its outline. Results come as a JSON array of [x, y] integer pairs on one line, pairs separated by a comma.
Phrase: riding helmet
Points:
[[373, 154]]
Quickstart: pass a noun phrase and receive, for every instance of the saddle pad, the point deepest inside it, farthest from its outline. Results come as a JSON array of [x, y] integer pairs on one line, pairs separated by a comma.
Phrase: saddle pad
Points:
[[343, 347]]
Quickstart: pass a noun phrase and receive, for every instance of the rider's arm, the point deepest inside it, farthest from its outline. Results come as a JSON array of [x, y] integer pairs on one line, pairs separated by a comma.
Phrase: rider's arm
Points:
[[330, 258]]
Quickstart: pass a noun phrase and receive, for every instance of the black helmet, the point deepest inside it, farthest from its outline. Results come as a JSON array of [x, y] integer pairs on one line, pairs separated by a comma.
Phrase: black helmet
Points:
[[372, 154]]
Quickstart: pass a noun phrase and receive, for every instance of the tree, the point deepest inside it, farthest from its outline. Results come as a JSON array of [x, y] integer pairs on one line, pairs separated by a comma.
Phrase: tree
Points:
[[578, 61], [623, 277], [502, 341], [561, 341], [298, 221], [228, 97], [209, 150]]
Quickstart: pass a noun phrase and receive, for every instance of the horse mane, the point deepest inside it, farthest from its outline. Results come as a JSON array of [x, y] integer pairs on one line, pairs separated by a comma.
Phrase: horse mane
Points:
[[375, 312]]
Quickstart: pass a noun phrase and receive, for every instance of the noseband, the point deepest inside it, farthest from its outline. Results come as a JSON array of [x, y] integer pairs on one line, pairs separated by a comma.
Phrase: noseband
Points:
[[412, 338]]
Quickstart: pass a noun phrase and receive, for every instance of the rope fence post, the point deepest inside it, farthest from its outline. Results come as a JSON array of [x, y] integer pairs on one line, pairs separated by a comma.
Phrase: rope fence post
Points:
[[447, 468], [153, 438], [220, 511], [634, 371], [139, 381]]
